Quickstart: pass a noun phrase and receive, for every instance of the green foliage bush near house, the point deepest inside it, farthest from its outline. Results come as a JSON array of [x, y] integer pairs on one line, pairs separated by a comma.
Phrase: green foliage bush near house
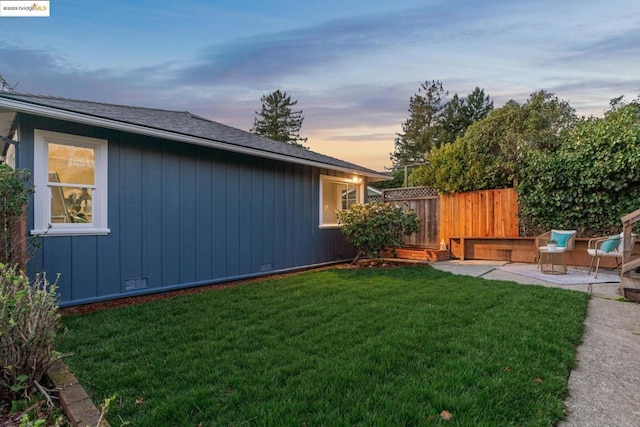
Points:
[[14, 195], [29, 318], [29, 329], [377, 226]]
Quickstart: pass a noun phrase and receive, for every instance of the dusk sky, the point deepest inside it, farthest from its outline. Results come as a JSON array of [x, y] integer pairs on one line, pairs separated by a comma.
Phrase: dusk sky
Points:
[[351, 64]]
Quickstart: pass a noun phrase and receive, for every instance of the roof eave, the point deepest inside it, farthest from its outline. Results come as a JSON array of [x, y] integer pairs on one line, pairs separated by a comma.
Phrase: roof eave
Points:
[[55, 113]]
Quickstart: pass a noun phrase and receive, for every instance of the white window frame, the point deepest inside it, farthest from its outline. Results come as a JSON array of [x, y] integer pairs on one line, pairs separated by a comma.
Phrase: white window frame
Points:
[[356, 181], [42, 197]]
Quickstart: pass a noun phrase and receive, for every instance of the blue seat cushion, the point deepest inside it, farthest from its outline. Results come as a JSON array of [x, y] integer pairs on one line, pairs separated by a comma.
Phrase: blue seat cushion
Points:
[[611, 244], [560, 237]]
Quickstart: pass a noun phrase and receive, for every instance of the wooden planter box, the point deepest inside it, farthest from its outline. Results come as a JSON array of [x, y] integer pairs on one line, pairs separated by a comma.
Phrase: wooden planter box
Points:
[[421, 254], [518, 249]]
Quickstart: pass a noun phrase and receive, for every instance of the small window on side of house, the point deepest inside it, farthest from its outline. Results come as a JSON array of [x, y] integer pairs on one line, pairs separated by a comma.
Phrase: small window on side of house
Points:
[[70, 177], [337, 194]]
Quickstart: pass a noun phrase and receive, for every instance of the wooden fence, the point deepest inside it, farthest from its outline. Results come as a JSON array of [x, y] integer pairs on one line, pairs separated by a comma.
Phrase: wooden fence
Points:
[[424, 201], [484, 225], [483, 213]]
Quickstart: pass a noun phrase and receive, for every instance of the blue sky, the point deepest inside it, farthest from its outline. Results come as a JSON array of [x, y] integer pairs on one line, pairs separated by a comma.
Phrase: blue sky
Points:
[[351, 64]]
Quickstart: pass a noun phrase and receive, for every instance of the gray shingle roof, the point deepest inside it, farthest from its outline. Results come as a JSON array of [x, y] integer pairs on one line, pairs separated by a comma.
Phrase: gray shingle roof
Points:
[[183, 123]]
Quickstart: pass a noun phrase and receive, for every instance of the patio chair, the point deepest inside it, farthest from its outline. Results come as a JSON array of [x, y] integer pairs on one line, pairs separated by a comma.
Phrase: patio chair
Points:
[[565, 241], [610, 246]]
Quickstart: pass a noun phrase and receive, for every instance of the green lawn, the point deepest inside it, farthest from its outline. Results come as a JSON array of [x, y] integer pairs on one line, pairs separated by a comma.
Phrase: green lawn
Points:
[[335, 347]]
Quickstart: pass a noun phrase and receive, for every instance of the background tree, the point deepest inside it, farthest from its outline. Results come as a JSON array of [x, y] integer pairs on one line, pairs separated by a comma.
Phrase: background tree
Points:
[[477, 106], [545, 120], [278, 121], [493, 147], [396, 182], [454, 168], [460, 113], [435, 121], [421, 129], [453, 121]]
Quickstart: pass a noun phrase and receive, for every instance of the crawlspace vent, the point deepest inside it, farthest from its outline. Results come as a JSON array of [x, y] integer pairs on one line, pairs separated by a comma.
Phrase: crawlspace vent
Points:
[[133, 284], [267, 266]]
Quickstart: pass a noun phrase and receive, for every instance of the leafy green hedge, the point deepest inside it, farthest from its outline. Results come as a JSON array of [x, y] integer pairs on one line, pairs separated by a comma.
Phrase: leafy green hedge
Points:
[[591, 181]]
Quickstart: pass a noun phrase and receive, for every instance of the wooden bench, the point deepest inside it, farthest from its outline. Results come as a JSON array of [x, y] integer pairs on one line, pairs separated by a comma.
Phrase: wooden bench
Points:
[[516, 249]]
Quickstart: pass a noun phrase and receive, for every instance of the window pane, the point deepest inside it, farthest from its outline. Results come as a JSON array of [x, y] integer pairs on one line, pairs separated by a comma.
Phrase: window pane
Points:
[[349, 196], [337, 196], [71, 205], [331, 196], [71, 164]]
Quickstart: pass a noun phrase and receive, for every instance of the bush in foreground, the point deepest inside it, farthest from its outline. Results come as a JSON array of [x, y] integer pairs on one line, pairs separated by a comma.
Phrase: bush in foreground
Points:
[[377, 226], [29, 330]]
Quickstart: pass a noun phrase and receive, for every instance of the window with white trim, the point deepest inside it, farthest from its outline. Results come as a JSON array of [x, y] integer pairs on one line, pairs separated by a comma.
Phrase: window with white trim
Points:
[[70, 176], [337, 194]]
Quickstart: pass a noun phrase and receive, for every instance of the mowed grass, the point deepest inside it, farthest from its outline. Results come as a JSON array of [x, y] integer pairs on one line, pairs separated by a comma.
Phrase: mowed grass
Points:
[[335, 347]]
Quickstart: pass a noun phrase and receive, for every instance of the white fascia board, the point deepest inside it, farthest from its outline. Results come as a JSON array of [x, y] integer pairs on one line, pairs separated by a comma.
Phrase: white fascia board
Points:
[[158, 133]]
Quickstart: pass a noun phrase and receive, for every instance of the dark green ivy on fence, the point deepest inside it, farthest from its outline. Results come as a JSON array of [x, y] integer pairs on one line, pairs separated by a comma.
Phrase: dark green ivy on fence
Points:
[[591, 181]]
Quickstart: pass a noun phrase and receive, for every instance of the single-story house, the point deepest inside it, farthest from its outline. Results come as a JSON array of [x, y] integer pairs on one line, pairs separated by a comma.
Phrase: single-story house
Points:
[[131, 200]]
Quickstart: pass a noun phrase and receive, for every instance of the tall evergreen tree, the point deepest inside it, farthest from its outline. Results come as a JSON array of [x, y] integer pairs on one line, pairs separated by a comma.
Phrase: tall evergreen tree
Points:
[[420, 130], [277, 120], [435, 121], [453, 121], [460, 113], [477, 106]]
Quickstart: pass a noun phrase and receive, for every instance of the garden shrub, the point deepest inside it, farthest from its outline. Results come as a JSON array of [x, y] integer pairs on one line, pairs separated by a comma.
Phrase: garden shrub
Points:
[[14, 195], [377, 226], [29, 330]]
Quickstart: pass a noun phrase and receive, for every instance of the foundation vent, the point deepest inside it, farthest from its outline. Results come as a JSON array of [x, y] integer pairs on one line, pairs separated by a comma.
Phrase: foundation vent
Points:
[[135, 284]]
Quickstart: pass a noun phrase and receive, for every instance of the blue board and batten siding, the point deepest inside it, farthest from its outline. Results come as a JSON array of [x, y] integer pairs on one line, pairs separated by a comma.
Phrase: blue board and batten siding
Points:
[[182, 215]]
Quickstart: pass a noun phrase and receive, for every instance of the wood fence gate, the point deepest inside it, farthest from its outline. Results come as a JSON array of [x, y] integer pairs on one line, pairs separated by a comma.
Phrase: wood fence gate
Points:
[[424, 201]]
